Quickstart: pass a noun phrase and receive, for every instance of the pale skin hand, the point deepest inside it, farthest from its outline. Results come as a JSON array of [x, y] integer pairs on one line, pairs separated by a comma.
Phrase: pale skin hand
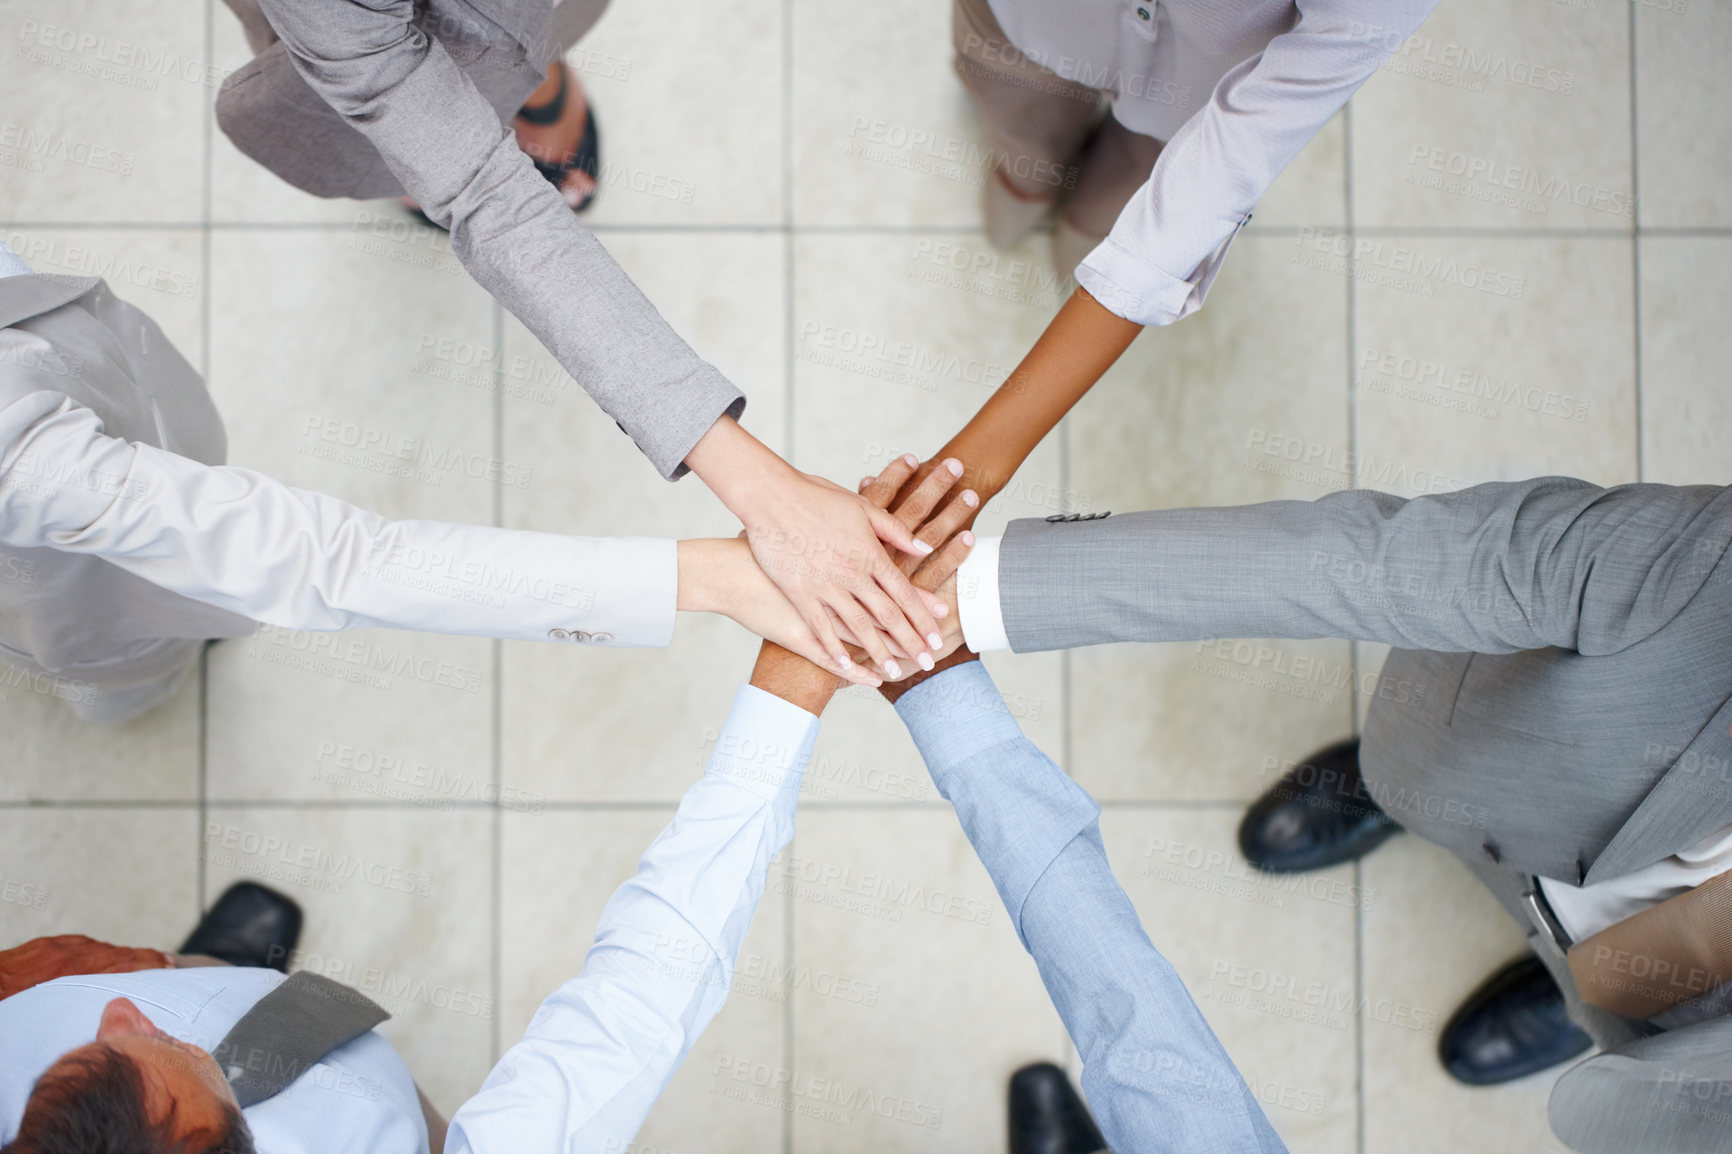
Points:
[[794, 679], [823, 546], [721, 576]]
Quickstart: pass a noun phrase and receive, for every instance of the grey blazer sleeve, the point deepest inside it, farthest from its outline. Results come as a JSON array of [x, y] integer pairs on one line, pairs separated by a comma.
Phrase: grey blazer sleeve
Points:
[[1666, 1094], [509, 226], [1491, 569]]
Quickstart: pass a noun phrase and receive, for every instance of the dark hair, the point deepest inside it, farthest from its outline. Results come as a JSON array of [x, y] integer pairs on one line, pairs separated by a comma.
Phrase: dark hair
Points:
[[94, 1103]]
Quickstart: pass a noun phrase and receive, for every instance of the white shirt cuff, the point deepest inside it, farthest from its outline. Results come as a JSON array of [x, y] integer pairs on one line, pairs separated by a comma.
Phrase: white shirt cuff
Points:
[[764, 746], [977, 598]]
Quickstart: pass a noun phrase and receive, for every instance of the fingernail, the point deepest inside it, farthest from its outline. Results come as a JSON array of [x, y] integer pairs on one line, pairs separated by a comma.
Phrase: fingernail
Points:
[[936, 640], [865, 481], [940, 610], [892, 670], [844, 661], [970, 498], [968, 538], [954, 466], [926, 662], [921, 547], [874, 682]]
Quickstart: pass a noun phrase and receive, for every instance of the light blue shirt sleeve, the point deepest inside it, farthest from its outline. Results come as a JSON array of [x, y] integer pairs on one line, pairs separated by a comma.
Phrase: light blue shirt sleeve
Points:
[[1155, 1075], [598, 1052]]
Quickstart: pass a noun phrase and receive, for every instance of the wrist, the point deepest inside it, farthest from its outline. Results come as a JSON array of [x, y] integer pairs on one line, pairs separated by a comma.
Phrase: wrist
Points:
[[704, 572], [736, 466], [794, 679]]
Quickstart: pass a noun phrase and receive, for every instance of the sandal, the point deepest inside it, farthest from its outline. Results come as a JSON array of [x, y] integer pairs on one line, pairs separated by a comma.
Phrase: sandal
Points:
[[587, 157]]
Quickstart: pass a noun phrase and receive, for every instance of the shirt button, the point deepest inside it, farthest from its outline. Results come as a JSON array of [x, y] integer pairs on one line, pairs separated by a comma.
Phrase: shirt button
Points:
[[558, 635], [600, 638], [1143, 13]]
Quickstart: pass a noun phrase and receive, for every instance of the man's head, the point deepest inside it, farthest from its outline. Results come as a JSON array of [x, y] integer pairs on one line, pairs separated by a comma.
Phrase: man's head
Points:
[[135, 1090]]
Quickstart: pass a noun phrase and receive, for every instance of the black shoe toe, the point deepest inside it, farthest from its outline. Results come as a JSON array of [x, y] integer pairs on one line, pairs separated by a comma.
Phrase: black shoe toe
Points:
[[1514, 1025], [1047, 1115], [1318, 815], [248, 926]]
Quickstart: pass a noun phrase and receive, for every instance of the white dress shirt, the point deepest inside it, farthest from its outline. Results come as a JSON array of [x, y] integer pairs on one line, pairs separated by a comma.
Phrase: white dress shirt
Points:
[[11, 264], [125, 541], [598, 1052], [1235, 87]]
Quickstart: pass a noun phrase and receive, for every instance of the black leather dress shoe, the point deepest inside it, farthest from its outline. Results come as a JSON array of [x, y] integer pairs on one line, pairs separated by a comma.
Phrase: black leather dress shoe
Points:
[[1512, 1026], [1047, 1115], [249, 926], [1316, 816]]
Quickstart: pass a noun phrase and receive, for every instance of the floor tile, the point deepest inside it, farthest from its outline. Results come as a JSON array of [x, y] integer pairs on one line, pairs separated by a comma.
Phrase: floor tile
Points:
[[1312, 190], [623, 723], [348, 414], [929, 1012], [106, 107], [558, 871], [1196, 414], [125, 875], [397, 906], [1268, 961], [883, 134], [161, 271], [53, 756], [1456, 386], [718, 159], [1682, 146], [1432, 935], [1686, 297], [1492, 117]]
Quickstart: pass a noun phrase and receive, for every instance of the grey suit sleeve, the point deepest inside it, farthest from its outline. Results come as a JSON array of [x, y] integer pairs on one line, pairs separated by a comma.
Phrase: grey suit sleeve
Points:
[[1492, 569], [509, 226], [1666, 1094]]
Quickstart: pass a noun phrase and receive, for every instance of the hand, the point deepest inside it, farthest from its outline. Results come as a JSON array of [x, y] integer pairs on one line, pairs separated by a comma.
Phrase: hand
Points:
[[914, 501], [44, 959], [821, 545], [720, 575]]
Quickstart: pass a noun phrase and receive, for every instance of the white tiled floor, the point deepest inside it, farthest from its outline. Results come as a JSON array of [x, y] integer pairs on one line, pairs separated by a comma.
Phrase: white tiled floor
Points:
[[779, 225]]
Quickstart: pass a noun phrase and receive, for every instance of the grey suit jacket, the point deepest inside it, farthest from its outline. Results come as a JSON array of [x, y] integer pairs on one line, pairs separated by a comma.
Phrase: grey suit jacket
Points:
[[379, 98], [1562, 701]]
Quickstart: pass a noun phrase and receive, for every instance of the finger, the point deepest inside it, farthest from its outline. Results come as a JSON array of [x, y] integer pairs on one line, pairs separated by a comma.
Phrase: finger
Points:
[[913, 509], [894, 533], [903, 634], [880, 489], [914, 603], [836, 657], [860, 622], [846, 635], [944, 524], [944, 563]]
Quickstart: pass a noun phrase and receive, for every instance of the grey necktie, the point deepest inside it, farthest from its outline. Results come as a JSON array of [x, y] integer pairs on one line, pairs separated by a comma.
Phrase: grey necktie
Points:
[[288, 1031]]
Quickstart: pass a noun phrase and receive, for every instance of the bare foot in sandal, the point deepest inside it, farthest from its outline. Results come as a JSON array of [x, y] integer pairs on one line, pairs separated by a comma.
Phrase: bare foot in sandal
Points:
[[555, 128]]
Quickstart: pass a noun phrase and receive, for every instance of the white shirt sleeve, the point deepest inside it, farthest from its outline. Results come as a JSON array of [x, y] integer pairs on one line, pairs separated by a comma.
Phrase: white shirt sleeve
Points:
[[977, 605], [243, 542], [1162, 255], [598, 1052]]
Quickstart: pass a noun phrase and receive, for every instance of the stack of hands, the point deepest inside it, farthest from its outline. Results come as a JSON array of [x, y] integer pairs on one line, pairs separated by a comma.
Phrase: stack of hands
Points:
[[870, 594]]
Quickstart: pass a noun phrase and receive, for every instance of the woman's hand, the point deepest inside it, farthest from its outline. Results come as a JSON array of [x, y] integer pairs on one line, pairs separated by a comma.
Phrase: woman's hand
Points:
[[823, 547], [917, 490]]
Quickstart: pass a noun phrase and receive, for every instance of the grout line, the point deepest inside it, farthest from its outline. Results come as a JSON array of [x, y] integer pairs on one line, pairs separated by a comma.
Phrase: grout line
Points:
[[1352, 648], [789, 906], [1636, 249], [496, 721], [207, 114]]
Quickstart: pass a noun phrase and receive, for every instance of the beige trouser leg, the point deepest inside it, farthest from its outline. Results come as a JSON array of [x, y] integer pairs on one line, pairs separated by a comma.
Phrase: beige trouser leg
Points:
[[1048, 132], [1038, 120]]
